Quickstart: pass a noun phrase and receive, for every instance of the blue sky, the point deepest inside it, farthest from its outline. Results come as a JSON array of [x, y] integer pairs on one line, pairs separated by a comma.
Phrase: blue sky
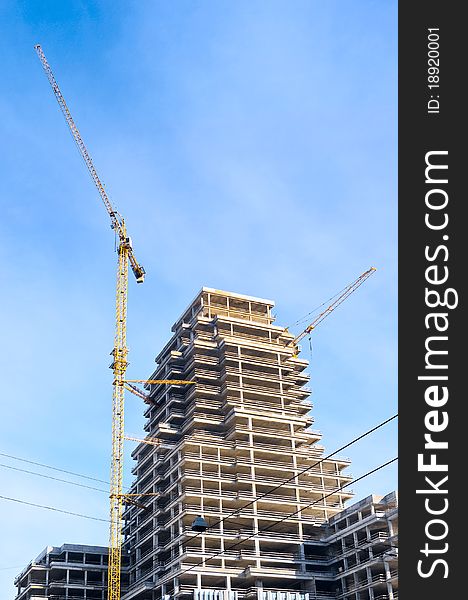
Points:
[[251, 147]]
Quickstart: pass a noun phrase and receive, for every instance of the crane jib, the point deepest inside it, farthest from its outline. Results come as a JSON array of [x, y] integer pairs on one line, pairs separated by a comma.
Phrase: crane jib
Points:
[[116, 224], [348, 290]]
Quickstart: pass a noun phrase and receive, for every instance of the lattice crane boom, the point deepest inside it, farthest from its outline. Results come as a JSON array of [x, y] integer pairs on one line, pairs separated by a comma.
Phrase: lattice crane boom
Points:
[[117, 221], [120, 351], [348, 290]]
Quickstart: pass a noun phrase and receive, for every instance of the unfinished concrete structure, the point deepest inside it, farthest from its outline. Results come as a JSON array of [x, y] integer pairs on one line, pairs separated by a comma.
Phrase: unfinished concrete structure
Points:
[[363, 539], [66, 572], [355, 555], [241, 430]]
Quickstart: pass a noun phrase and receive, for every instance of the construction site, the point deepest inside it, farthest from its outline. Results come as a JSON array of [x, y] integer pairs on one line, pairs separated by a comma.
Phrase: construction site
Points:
[[233, 497]]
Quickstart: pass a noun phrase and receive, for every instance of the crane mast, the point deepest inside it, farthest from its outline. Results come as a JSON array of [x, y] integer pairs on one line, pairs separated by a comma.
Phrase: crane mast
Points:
[[120, 351], [348, 290]]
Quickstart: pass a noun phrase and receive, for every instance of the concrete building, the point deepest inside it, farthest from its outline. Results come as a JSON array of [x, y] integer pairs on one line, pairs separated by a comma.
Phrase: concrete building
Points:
[[223, 449], [355, 556], [363, 541], [66, 572], [241, 430]]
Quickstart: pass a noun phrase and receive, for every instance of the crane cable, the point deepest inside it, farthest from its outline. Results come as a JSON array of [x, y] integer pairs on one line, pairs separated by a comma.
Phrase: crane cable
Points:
[[340, 298], [315, 311]]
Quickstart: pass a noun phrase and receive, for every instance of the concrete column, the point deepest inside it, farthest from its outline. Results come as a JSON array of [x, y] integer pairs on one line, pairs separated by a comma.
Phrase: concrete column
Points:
[[259, 586], [220, 508], [239, 354], [388, 577], [369, 577], [281, 381], [355, 583], [249, 425]]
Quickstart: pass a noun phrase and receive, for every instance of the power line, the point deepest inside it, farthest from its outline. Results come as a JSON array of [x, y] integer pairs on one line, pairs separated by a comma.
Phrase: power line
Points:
[[31, 462], [353, 441], [215, 524], [53, 508], [389, 462], [288, 516], [53, 478]]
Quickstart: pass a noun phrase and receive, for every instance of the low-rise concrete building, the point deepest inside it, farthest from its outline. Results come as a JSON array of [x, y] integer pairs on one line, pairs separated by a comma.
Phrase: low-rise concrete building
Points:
[[354, 557], [363, 539], [68, 572]]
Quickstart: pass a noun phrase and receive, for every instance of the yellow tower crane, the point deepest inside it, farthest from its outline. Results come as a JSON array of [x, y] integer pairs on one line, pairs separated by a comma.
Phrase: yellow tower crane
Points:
[[338, 299], [119, 352]]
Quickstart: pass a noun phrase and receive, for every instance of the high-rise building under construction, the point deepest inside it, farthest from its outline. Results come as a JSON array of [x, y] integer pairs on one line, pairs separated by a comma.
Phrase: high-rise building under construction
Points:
[[234, 454], [224, 443]]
